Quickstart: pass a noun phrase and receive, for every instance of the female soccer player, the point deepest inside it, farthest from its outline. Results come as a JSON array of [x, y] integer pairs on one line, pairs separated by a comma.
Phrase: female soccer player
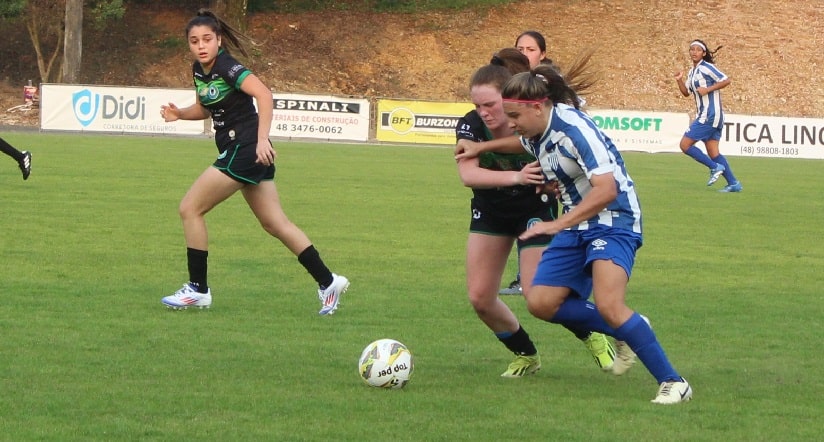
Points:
[[533, 45], [597, 235], [704, 81], [225, 89], [504, 204], [23, 158]]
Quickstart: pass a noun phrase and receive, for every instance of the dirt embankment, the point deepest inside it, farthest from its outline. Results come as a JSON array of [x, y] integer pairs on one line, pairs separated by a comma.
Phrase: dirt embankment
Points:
[[771, 50]]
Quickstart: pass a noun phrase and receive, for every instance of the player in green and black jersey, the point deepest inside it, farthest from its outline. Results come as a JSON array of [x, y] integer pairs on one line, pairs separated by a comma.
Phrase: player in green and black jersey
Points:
[[245, 162]]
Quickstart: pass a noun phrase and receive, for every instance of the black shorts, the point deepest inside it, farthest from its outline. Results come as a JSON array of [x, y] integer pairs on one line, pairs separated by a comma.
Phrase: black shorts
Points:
[[238, 154], [513, 223]]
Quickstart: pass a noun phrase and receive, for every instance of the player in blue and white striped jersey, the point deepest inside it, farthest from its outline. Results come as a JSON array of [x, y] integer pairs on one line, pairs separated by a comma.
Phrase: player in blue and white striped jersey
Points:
[[704, 81], [596, 237]]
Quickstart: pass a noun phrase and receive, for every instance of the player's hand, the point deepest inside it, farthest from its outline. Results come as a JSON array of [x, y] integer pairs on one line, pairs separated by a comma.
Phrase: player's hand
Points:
[[266, 154], [678, 75], [466, 149], [169, 113], [542, 228], [550, 188], [530, 174]]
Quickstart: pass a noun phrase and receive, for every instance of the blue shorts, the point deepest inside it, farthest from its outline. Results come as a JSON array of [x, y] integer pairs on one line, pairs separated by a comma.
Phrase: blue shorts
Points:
[[567, 262], [703, 132]]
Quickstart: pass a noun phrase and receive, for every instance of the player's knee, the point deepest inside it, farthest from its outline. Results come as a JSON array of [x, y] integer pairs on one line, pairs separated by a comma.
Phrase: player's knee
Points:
[[481, 302], [612, 312], [186, 210], [541, 308]]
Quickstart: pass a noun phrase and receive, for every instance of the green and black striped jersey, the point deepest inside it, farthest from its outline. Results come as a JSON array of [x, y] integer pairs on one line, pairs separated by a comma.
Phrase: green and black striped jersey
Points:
[[219, 91]]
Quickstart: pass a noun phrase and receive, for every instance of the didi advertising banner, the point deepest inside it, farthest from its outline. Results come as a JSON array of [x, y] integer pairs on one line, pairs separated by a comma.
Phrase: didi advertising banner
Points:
[[113, 109], [418, 122]]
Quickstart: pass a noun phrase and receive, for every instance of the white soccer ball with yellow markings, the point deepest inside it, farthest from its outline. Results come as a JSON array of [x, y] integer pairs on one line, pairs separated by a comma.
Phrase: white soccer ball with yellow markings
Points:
[[385, 363]]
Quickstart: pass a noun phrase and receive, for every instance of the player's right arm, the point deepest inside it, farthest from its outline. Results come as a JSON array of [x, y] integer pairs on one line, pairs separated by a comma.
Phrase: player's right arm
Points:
[[682, 86], [171, 112], [471, 149]]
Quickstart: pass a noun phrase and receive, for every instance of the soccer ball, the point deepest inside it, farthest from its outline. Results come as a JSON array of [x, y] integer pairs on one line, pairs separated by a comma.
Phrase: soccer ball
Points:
[[385, 363]]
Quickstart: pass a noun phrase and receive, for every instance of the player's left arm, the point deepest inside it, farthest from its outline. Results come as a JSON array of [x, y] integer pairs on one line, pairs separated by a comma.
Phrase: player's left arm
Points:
[[476, 177], [252, 86], [604, 191], [716, 86], [720, 81]]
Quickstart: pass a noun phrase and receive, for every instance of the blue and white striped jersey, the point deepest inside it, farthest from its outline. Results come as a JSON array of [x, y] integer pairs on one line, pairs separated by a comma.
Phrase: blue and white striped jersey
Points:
[[707, 108], [572, 150]]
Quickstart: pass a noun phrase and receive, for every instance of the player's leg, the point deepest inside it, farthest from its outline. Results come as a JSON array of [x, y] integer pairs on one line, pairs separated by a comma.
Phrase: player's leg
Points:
[[733, 185], [486, 257], [210, 188], [23, 158], [514, 287], [264, 201], [610, 277], [687, 145], [598, 345]]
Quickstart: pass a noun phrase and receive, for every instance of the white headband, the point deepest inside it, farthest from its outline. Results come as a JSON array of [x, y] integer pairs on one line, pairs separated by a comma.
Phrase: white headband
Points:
[[699, 44]]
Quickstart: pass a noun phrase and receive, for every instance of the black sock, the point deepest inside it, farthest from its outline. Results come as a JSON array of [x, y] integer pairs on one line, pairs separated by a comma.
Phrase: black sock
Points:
[[310, 260], [580, 334], [7, 149], [197, 268], [519, 343]]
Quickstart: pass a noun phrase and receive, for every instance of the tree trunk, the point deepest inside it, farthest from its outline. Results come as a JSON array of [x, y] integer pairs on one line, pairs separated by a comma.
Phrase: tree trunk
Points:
[[232, 12], [73, 43], [34, 26]]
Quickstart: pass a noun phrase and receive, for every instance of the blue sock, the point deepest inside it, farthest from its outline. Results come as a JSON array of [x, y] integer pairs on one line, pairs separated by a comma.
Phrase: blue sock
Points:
[[728, 175], [699, 155], [575, 313], [641, 339]]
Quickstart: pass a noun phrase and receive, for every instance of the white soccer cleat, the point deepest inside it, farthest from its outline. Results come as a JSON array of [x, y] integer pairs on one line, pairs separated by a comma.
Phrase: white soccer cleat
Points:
[[624, 356], [673, 392], [330, 297], [187, 297]]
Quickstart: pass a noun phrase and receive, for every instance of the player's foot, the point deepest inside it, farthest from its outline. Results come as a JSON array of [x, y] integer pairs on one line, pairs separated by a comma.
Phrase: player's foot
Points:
[[734, 187], [25, 164], [522, 366], [514, 288], [716, 173], [601, 349], [624, 358], [330, 296], [186, 297], [673, 392]]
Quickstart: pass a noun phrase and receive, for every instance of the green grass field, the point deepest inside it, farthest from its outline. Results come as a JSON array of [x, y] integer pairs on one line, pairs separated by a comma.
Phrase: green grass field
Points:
[[92, 241]]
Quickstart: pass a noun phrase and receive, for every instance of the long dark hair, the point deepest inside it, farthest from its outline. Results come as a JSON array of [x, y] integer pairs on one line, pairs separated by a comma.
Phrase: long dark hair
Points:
[[538, 38], [545, 81], [511, 59], [709, 56], [222, 29]]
